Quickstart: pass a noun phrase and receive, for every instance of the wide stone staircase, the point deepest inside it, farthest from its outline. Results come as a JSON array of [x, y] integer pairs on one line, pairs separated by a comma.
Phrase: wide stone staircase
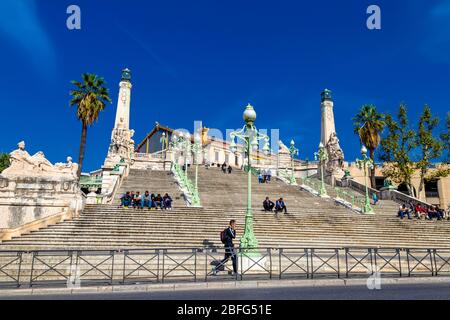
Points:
[[108, 242], [383, 208], [311, 221], [156, 182]]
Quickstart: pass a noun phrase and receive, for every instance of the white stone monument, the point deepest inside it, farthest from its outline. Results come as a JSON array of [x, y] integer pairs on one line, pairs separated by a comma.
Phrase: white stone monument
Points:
[[122, 144], [35, 193], [121, 148], [328, 137]]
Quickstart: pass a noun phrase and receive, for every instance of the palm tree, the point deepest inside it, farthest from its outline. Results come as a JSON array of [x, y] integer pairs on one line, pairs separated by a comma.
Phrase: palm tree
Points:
[[368, 125], [90, 97]]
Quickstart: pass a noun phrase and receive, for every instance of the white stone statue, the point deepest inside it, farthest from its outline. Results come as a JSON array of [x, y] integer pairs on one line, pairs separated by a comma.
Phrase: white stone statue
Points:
[[335, 153], [20, 160], [22, 164], [67, 168]]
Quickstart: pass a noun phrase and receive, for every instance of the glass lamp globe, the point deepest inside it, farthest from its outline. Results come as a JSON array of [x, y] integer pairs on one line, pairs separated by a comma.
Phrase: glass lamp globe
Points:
[[249, 114]]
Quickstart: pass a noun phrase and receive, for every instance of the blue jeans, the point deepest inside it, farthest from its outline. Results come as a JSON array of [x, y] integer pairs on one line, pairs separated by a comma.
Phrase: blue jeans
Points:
[[402, 214], [146, 203], [124, 202]]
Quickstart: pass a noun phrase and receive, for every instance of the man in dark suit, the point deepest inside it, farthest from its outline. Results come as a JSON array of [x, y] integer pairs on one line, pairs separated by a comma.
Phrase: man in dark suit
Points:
[[230, 234], [268, 205]]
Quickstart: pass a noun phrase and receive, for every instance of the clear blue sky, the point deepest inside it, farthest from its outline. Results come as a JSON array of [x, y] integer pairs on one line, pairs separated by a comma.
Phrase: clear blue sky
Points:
[[205, 60]]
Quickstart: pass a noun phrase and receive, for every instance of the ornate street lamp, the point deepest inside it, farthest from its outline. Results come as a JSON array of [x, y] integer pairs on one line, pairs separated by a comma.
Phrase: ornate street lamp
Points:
[[367, 164], [250, 136], [293, 151], [322, 157]]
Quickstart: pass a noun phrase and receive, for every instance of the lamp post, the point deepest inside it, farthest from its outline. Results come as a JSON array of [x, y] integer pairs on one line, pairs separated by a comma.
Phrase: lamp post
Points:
[[365, 163], [293, 151], [322, 157], [250, 136]]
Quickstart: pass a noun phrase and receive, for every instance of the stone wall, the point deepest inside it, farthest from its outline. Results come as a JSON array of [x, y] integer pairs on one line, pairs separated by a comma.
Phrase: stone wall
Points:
[[25, 200]]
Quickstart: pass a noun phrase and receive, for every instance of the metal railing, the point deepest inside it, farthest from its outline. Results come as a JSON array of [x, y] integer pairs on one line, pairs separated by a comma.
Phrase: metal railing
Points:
[[356, 201], [186, 185], [19, 269], [312, 183], [359, 187], [253, 170]]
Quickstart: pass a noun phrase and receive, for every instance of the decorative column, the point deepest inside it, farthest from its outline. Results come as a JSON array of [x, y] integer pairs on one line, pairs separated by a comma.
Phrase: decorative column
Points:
[[329, 139], [121, 148], [122, 145]]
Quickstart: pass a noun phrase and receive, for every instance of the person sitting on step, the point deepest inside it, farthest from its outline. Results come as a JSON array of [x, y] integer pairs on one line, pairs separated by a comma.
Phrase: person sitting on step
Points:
[[167, 202], [433, 212], [152, 197], [402, 211], [280, 206], [131, 198], [137, 200], [159, 201], [421, 212], [125, 199], [229, 169], [146, 200], [268, 205]]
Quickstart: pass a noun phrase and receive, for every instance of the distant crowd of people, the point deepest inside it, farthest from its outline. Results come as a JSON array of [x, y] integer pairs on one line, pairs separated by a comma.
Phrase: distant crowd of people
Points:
[[278, 206], [150, 201], [420, 211], [264, 176]]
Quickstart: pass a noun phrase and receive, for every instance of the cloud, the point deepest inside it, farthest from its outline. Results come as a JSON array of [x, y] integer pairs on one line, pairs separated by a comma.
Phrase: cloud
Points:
[[21, 25]]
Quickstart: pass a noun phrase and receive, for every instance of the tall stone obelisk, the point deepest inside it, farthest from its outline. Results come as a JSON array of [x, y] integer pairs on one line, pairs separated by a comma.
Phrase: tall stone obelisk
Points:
[[327, 125], [329, 137], [122, 144]]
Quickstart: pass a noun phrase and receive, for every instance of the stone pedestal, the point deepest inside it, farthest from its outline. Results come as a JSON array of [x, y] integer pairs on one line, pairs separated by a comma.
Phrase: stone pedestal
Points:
[[249, 264]]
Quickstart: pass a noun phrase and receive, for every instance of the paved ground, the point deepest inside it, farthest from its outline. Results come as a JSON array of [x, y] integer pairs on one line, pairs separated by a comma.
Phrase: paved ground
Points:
[[434, 291]]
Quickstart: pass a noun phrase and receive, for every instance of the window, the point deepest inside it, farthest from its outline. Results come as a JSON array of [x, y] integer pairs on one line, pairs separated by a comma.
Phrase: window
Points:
[[217, 156], [431, 189]]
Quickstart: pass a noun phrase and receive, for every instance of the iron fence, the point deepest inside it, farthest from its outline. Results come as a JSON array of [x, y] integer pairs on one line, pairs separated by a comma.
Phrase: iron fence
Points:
[[133, 266]]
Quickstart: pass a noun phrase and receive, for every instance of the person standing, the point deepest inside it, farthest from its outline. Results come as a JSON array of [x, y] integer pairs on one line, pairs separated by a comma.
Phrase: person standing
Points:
[[227, 239], [375, 198]]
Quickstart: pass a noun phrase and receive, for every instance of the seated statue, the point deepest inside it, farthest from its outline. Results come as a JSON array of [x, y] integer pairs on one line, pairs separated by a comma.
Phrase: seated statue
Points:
[[67, 168], [22, 164], [41, 163], [20, 160]]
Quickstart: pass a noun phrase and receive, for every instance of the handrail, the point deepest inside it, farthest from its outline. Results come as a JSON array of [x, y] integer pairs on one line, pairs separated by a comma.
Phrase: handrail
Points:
[[362, 188], [186, 185], [402, 198]]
